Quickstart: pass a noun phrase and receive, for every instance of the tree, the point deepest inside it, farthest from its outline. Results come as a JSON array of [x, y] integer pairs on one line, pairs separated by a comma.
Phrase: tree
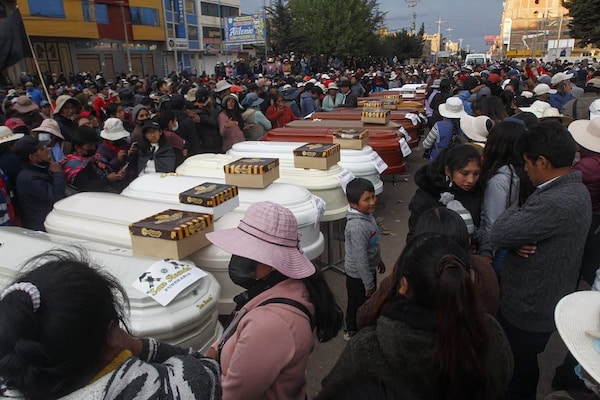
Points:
[[584, 23], [342, 28], [281, 32]]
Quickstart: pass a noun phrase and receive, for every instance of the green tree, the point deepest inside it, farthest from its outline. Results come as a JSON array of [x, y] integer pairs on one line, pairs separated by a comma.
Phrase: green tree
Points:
[[342, 28], [281, 33], [584, 23]]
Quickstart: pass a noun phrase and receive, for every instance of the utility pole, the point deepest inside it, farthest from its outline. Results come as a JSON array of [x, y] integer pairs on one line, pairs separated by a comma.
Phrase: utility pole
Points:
[[127, 50], [449, 30], [439, 23], [412, 4]]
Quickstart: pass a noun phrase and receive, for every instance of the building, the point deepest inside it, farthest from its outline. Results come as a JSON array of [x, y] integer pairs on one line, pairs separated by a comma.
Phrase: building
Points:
[[536, 29], [141, 37]]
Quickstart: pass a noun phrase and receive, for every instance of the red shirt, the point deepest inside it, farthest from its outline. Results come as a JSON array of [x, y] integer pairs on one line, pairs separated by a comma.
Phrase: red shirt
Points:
[[280, 118]]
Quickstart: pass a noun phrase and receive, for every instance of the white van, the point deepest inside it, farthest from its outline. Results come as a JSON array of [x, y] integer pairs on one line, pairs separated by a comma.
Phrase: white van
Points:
[[477, 59]]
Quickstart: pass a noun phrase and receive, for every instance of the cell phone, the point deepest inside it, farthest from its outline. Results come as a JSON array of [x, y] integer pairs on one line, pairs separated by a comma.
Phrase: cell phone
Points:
[[124, 167], [134, 144]]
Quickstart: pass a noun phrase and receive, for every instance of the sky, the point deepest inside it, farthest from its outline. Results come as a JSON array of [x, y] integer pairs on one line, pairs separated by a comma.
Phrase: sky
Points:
[[468, 19]]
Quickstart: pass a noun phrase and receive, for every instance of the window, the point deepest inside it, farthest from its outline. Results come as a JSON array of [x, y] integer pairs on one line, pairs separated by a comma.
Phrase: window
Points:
[[46, 8], [192, 32], [98, 13], [212, 10], [190, 6], [179, 31], [144, 16]]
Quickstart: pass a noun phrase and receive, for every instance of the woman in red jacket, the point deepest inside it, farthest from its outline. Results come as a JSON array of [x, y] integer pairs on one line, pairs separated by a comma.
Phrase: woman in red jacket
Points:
[[280, 114]]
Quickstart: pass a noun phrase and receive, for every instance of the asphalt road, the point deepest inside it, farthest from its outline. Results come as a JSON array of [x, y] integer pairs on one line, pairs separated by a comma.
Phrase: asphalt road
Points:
[[392, 210]]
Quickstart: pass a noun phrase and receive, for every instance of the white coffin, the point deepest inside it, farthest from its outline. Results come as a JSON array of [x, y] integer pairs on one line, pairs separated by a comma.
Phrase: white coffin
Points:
[[190, 320], [105, 217], [358, 162], [166, 189], [323, 184]]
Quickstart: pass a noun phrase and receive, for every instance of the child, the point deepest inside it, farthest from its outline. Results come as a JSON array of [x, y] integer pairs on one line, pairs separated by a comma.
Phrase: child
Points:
[[363, 253]]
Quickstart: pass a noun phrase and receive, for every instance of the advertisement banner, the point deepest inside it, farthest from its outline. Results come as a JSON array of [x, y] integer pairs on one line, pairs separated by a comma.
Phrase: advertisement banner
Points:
[[245, 30]]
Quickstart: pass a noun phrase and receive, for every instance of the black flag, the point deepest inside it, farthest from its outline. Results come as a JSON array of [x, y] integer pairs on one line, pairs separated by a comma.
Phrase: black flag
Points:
[[13, 40]]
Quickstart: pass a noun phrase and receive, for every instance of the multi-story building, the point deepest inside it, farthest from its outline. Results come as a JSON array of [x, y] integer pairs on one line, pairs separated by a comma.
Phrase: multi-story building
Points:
[[536, 29], [142, 37]]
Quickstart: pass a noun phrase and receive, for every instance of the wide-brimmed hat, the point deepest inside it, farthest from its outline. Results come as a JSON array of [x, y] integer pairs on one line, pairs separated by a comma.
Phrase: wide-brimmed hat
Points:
[[25, 105], [49, 126], [595, 109], [6, 135], [452, 108], [333, 86], [113, 130], [230, 96], [537, 108], [222, 85], [62, 100], [191, 94], [542, 88], [475, 128], [252, 100], [268, 233], [290, 93], [586, 133], [393, 76], [553, 113], [577, 318]]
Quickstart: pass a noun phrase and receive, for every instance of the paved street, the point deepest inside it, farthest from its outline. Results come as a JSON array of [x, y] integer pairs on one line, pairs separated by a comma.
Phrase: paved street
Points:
[[392, 206]]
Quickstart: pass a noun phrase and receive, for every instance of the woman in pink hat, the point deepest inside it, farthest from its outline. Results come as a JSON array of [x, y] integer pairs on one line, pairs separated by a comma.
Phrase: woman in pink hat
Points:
[[264, 350]]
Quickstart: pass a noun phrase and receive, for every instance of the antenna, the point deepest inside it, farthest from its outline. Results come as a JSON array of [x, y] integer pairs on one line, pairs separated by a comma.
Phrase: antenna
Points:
[[412, 4]]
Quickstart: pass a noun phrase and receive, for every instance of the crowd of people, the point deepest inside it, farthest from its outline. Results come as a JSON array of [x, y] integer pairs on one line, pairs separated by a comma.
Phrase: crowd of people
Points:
[[503, 225]]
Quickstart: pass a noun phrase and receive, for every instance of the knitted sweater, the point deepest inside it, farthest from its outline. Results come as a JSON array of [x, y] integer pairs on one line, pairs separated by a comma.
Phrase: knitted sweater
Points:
[[556, 218], [162, 371], [363, 252]]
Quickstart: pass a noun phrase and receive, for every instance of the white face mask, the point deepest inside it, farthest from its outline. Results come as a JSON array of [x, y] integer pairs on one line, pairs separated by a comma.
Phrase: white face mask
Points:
[[44, 137], [176, 126]]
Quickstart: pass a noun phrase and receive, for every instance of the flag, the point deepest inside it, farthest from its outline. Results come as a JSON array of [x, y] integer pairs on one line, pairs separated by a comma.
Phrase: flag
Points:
[[14, 45]]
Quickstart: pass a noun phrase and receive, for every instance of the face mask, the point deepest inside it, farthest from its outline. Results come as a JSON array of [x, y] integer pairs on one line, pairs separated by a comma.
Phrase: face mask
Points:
[[44, 137], [176, 126], [242, 271]]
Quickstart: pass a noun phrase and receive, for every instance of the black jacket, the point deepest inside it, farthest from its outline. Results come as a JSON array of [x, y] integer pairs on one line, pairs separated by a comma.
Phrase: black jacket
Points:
[[164, 157], [37, 191], [209, 131], [428, 196]]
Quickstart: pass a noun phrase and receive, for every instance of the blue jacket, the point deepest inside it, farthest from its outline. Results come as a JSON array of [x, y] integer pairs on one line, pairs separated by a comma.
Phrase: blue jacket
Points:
[[37, 191]]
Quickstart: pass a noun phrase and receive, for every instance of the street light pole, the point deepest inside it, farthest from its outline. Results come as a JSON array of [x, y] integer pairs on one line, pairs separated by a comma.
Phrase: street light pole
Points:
[[174, 38], [439, 23], [127, 50]]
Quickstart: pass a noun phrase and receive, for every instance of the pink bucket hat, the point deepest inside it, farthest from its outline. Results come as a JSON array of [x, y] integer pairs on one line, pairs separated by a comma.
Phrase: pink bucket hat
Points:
[[268, 233]]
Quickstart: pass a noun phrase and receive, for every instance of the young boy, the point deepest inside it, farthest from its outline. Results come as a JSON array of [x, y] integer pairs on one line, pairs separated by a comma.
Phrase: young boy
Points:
[[363, 253]]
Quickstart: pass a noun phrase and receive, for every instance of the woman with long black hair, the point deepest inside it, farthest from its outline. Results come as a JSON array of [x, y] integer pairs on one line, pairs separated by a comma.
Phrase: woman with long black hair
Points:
[[503, 179], [432, 341]]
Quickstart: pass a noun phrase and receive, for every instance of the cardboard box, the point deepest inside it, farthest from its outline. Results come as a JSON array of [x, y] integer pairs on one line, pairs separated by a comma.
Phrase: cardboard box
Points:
[[351, 138], [252, 172], [213, 198], [389, 104], [372, 104], [317, 155], [375, 116], [171, 234]]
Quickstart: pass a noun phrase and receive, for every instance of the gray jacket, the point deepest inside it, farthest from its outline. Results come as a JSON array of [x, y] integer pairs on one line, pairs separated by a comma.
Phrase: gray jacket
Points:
[[556, 218], [501, 192], [363, 252]]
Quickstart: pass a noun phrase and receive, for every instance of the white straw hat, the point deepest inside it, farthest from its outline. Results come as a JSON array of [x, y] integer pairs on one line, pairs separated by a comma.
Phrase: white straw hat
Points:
[[452, 108], [476, 128], [586, 133], [577, 318]]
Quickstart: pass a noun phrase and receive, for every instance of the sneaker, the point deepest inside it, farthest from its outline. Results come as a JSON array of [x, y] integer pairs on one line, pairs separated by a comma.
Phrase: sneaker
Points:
[[348, 335]]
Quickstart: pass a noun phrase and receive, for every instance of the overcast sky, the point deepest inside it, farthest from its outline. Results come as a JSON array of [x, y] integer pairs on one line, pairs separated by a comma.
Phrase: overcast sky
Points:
[[468, 19]]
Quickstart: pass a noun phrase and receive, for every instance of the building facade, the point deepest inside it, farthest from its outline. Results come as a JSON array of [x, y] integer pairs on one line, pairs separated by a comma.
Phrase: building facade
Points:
[[536, 29], [140, 37]]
